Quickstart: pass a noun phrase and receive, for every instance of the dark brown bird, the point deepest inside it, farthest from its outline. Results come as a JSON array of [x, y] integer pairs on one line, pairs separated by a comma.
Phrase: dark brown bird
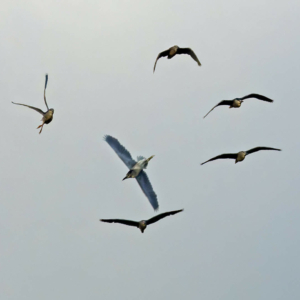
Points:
[[48, 115], [237, 102], [144, 223], [177, 50], [240, 156]]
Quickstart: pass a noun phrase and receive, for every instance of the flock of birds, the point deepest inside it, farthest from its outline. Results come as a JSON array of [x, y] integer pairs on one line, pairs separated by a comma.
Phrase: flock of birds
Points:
[[136, 168]]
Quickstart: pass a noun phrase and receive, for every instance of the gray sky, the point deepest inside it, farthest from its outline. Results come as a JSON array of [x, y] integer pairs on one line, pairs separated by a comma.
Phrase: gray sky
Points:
[[238, 237]]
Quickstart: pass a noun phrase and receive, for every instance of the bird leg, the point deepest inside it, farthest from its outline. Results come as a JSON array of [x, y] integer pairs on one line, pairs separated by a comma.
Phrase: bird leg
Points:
[[41, 127]]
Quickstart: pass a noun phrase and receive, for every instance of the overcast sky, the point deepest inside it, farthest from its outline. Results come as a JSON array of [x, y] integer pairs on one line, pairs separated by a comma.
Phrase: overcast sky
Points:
[[238, 237]]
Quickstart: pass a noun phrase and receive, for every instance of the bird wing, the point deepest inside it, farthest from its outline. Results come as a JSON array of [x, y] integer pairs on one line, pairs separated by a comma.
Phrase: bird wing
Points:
[[162, 54], [225, 155], [146, 187], [257, 96], [35, 108], [125, 222], [163, 215], [223, 102], [260, 148], [190, 52], [46, 80], [120, 150]]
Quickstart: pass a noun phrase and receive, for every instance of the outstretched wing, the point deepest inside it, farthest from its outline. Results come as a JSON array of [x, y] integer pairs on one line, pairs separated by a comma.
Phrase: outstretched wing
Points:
[[162, 54], [125, 222], [225, 155], [190, 52], [35, 108], [163, 215], [224, 102], [260, 148], [257, 96], [46, 81], [120, 150], [146, 187]]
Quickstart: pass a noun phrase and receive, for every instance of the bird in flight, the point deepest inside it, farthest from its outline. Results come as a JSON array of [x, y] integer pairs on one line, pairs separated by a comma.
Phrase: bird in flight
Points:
[[240, 156], [177, 50], [144, 223], [135, 169], [237, 102], [48, 115]]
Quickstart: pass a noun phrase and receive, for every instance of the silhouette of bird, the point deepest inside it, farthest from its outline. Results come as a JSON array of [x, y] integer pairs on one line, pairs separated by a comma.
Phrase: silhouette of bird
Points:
[[144, 223], [240, 156], [135, 169], [237, 102], [177, 50], [48, 115]]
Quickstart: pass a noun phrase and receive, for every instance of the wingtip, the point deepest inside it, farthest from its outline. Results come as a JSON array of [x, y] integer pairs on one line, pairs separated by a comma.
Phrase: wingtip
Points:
[[105, 137]]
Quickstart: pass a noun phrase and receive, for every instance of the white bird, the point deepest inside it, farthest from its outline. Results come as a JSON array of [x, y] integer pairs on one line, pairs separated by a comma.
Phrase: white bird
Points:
[[144, 223], [177, 50], [135, 169], [48, 115], [237, 102], [240, 156]]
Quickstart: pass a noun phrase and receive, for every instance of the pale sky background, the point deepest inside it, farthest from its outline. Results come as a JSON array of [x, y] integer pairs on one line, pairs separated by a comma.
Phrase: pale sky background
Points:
[[238, 237]]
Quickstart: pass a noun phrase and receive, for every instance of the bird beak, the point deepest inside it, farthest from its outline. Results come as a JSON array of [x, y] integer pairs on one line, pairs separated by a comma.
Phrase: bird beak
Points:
[[124, 178], [150, 157]]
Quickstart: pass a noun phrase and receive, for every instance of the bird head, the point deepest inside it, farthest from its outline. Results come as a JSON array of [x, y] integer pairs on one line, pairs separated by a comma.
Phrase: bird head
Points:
[[128, 175], [52, 110]]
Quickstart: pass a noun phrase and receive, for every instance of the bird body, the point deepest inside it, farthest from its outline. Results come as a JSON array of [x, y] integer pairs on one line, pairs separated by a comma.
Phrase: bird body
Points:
[[237, 102], [240, 156], [48, 115], [135, 169], [142, 225], [138, 167], [171, 52]]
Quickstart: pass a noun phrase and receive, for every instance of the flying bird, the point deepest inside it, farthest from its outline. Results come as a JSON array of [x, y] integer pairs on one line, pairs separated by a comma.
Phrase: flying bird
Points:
[[240, 156], [177, 50], [237, 102], [144, 223], [48, 115], [135, 169]]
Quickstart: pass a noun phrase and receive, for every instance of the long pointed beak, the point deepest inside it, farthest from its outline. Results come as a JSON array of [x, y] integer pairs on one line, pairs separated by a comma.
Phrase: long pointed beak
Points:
[[124, 178], [150, 157]]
